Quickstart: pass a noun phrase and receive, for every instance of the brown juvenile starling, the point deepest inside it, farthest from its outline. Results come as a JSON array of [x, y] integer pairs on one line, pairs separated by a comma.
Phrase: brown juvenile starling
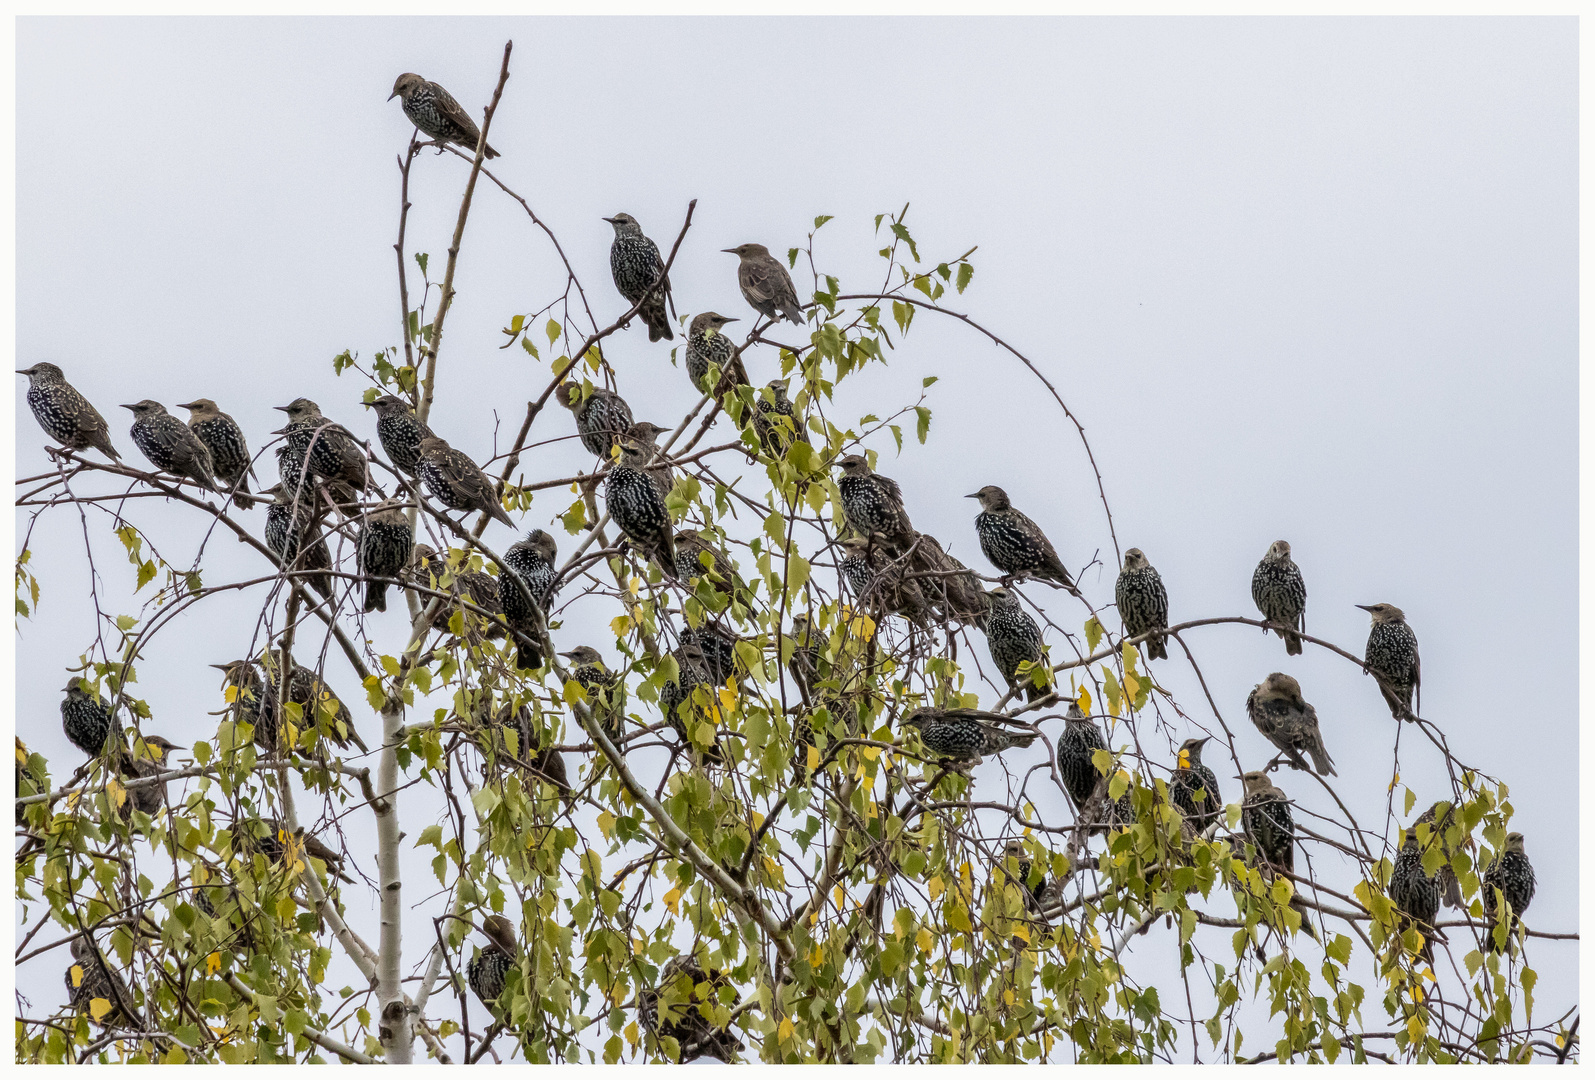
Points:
[[639, 274], [229, 452], [438, 115], [1281, 595], [170, 445], [64, 414], [1266, 819], [601, 418], [383, 550], [292, 537], [1014, 637], [606, 693], [88, 980], [525, 587], [878, 584], [635, 504], [949, 586], [804, 666], [776, 420], [646, 435], [274, 841], [328, 449], [717, 647], [1392, 657], [256, 699], [453, 479], [86, 721], [708, 347], [487, 968], [430, 569], [965, 734], [1194, 788], [242, 682], [400, 432], [148, 757], [1513, 876], [872, 503], [682, 1008], [1015, 544], [766, 285], [543, 762], [1142, 603], [1276, 707], [1415, 893]]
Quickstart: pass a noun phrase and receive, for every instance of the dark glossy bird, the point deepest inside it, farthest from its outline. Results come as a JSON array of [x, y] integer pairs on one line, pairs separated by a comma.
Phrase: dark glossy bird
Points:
[[383, 549], [1194, 788], [804, 666], [1281, 595], [431, 570], [487, 969], [88, 980], [1077, 747], [292, 537], [453, 479], [691, 547], [1013, 638], [170, 446], [229, 451], [708, 346], [872, 503], [295, 477], [606, 693], [966, 734], [147, 757], [776, 420], [951, 588], [602, 417], [85, 719], [1392, 657], [634, 503], [246, 691], [675, 699], [682, 1007], [1276, 707], [646, 435], [255, 702], [877, 581], [1267, 820], [1015, 544], [525, 587], [438, 116], [1414, 893], [1513, 875], [766, 285], [399, 431], [330, 451], [718, 648], [1142, 603], [639, 274], [64, 414]]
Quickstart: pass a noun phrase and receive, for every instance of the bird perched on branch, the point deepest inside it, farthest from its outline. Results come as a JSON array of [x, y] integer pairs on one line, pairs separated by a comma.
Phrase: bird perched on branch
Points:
[[965, 734], [1077, 765], [1392, 657], [437, 114], [328, 449], [877, 581], [383, 550], [276, 843], [602, 417], [1194, 788], [1443, 825], [543, 762], [525, 586], [170, 445], [1281, 595], [691, 547], [1513, 875], [487, 970], [1415, 893], [682, 1008], [229, 451], [64, 414], [636, 505], [1266, 819], [146, 758], [86, 721], [453, 479], [1015, 544], [605, 691], [1014, 638], [430, 569], [872, 503], [776, 420], [718, 647], [766, 285], [1276, 707], [708, 347], [1021, 871], [400, 431], [639, 274], [88, 980], [950, 587], [256, 696], [1142, 603], [646, 435], [678, 692], [291, 536]]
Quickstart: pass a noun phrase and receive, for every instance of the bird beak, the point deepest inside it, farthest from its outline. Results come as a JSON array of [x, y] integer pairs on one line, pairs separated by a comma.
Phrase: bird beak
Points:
[[732, 320], [729, 251], [130, 407], [280, 408], [611, 221], [1365, 607], [974, 496], [189, 405], [24, 371], [393, 95]]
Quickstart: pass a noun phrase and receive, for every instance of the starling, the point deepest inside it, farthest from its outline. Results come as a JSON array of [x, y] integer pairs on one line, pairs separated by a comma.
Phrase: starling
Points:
[[275, 842], [1442, 821], [399, 431], [1281, 595], [1392, 657], [85, 720], [453, 479], [1015, 544], [776, 421], [1278, 711], [691, 547], [1014, 637], [873, 503], [148, 758], [229, 452], [1415, 894], [604, 688], [88, 980], [488, 967], [170, 445], [682, 1008], [242, 682], [1513, 875], [766, 285], [328, 448], [601, 418], [708, 347], [1267, 821], [1020, 874], [320, 706], [646, 435], [948, 585], [255, 703], [438, 115], [878, 584], [804, 666], [1142, 603], [718, 648], [430, 569], [1194, 788], [383, 550], [639, 274], [966, 734], [678, 692], [634, 503], [525, 586], [64, 414], [292, 538], [1076, 756], [295, 477], [544, 762]]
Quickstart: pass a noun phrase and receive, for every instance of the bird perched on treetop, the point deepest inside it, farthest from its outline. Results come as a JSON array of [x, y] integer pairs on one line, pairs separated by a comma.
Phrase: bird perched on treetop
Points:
[[1415, 894], [634, 503], [766, 285], [677, 693], [1142, 603], [776, 420], [85, 720], [602, 417], [873, 503], [488, 967], [64, 414], [691, 547], [966, 734], [1020, 875], [525, 586], [707, 346], [639, 274], [328, 448], [1281, 595], [1014, 637], [383, 550], [170, 445], [229, 452], [1392, 657], [437, 114], [453, 479], [1276, 707], [1194, 788], [1266, 819], [605, 691], [1015, 544], [291, 536], [400, 431], [1450, 835], [1513, 874]]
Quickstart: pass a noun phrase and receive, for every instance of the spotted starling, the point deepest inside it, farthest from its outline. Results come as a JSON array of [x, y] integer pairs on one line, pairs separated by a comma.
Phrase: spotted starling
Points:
[[1392, 657], [488, 967], [399, 431], [639, 274], [295, 476], [256, 704], [718, 648], [89, 980], [878, 584], [678, 693], [950, 587], [634, 503], [646, 436], [1194, 788], [1014, 637], [148, 757], [873, 503], [1415, 893], [1444, 826], [383, 550], [229, 452], [543, 762], [525, 586], [170, 445], [438, 115], [273, 840], [1015, 544], [691, 547], [766, 285], [328, 448], [966, 734], [292, 537], [453, 479], [242, 682], [1021, 871], [605, 691], [1513, 875], [776, 420], [1076, 749], [1278, 711], [1266, 819], [1281, 595], [708, 346], [431, 570], [601, 418], [86, 721], [804, 666], [1142, 603], [682, 1008], [64, 414]]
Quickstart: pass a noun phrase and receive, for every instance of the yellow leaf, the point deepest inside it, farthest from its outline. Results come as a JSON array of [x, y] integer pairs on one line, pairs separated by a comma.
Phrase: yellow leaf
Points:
[[816, 956], [784, 1031], [76, 973], [620, 624], [925, 940], [728, 698], [935, 885], [1132, 685], [673, 901], [841, 898], [1022, 932], [631, 1028], [116, 793], [99, 1007], [1085, 701], [213, 963], [871, 752], [606, 824], [814, 757], [1007, 997]]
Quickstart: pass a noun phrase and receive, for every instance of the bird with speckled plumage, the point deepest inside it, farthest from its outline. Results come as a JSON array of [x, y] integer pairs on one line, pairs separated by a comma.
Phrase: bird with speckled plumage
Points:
[[1015, 544], [64, 414], [1280, 593], [1392, 657], [434, 111], [1142, 602], [639, 275], [169, 444], [229, 450]]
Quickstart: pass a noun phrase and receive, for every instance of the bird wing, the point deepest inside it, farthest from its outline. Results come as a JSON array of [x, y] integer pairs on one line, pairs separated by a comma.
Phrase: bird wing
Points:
[[466, 479], [452, 111], [1417, 673], [766, 280], [1035, 532]]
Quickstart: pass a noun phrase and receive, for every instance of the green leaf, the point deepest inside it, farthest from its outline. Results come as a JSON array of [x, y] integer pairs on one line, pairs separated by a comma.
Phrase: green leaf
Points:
[[930, 381], [965, 273], [1093, 633], [420, 260], [923, 428], [552, 330], [822, 219]]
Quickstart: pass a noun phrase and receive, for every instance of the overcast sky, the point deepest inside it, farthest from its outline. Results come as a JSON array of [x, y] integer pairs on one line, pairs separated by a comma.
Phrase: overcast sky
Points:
[[1311, 279]]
